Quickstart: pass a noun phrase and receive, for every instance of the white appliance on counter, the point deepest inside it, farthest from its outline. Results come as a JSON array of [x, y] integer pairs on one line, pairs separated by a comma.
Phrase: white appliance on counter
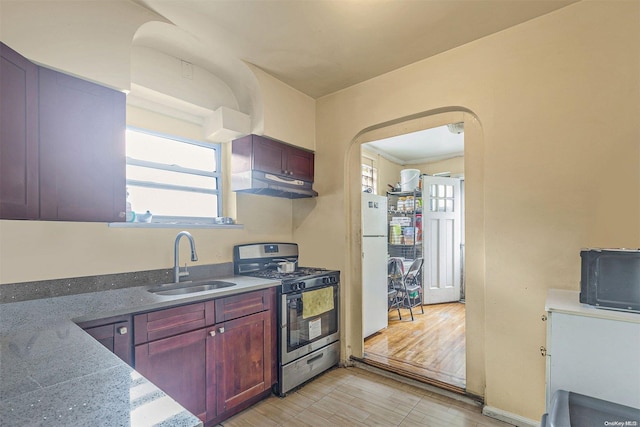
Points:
[[374, 263]]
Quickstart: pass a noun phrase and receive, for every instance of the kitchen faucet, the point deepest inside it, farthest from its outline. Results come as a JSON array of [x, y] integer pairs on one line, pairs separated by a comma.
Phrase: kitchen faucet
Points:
[[176, 256]]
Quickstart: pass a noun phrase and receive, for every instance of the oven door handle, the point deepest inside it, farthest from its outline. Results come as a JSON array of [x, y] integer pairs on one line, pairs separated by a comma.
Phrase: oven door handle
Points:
[[313, 359]]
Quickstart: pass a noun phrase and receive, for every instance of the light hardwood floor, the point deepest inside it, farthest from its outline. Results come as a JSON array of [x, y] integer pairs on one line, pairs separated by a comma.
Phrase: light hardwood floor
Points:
[[430, 348], [355, 397]]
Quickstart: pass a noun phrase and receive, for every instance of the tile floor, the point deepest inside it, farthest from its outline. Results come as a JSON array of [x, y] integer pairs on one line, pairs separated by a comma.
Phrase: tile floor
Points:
[[356, 397]]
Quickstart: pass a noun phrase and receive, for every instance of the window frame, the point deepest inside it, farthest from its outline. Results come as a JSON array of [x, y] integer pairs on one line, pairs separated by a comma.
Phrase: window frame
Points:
[[217, 175], [374, 175]]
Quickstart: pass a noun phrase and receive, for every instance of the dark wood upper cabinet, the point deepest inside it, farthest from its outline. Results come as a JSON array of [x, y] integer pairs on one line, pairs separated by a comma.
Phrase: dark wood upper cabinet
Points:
[[62, 145], [82, 150], [255, 152], [19, 194]]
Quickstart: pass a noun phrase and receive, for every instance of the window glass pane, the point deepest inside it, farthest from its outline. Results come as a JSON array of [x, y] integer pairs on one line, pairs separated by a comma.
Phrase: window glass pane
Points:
[[172, 203], [449, 191], [165, 150], [168, 151], [160, 176], [449, 205], [368, 178]]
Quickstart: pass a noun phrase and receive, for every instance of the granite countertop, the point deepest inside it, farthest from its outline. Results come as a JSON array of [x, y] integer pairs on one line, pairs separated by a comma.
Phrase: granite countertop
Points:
[[53, 373]]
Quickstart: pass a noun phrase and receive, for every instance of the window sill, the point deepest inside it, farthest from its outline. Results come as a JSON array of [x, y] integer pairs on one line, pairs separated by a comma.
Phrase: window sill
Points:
[[174, 225]]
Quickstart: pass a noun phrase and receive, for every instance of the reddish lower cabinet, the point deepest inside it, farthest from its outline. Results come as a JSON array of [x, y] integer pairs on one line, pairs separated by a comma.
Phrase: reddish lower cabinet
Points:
[[182, 366], [213, 371], [244, 360], [113, 333]]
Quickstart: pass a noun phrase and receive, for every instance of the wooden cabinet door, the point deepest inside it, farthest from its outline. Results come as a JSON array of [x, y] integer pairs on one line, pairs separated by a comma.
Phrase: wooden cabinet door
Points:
[[244, 351], [300, 164], [269, 156], [183, 367], [82, 149], [19, 196]]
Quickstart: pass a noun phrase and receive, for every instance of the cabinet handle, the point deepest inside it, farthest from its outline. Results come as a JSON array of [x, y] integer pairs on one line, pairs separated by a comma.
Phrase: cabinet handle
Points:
[[212, 333], [221, 330], [122, 330], [290, 173]]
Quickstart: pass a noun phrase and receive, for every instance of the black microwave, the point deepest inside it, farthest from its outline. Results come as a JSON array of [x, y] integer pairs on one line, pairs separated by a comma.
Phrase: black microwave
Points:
[[610, 279]]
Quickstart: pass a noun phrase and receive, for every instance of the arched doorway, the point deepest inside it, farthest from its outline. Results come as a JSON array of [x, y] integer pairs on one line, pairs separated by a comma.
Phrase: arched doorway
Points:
[[474, 262]]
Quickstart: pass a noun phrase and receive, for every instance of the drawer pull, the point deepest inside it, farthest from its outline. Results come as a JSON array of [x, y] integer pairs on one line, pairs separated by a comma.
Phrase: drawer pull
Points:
[[212, 333], [313, 359], [122, 330], [221, 330]]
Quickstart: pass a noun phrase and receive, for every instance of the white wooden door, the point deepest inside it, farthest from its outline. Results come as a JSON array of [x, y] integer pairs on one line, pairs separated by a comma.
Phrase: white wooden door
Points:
[[441, 218]]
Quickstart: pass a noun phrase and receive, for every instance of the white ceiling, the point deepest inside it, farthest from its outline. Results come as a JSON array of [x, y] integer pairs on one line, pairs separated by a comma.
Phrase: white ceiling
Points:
[[322, 46], [424, 146]]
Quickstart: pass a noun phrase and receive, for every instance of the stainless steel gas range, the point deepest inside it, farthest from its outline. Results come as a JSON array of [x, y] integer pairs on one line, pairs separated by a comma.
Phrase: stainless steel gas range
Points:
[[308, 307]]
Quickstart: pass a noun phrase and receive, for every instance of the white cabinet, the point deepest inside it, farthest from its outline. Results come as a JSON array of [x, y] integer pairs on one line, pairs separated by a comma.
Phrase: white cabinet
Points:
[[592, 351]]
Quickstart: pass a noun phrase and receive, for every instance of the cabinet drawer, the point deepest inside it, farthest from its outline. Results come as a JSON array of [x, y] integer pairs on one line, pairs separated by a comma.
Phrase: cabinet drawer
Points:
[[172, 321], [243, 304]]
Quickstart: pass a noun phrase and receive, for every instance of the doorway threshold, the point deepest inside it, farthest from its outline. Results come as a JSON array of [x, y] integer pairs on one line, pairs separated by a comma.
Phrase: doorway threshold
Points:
[[412, 375], [417, 380]]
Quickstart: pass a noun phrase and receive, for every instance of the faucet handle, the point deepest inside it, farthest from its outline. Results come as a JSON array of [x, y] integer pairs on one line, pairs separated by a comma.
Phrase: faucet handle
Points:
[[185, 272]]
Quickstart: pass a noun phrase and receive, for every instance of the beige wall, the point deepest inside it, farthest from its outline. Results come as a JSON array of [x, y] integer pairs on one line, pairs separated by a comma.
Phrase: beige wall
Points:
[[35, 250], [552, 164], [289, 115], [556, 162], [454, 165], [39, 250]]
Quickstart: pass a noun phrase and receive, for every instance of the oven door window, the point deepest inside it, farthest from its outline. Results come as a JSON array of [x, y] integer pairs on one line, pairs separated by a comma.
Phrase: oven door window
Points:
[[317, 320]]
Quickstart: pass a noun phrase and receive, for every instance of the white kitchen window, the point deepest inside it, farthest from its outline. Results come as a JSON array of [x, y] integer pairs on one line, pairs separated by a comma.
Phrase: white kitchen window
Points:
[[176, 179], [369, 178]]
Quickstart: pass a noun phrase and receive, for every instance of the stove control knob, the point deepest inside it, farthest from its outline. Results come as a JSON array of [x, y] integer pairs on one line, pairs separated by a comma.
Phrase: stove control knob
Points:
[[301, 285], [294, 287]]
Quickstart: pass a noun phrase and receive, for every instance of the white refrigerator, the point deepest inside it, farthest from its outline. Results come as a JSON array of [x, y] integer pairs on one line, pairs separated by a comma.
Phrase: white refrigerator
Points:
[[374, 263]]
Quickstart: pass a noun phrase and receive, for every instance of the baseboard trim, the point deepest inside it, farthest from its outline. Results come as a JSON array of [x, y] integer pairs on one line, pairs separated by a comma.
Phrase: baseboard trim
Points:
[[509, 417]]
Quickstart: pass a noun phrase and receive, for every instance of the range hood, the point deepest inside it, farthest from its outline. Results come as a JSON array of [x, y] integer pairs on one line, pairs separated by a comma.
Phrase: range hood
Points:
[[257, 182]]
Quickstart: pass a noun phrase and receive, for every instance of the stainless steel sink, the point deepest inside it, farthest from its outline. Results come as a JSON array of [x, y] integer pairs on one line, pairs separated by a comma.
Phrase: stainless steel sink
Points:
[[189, 288]]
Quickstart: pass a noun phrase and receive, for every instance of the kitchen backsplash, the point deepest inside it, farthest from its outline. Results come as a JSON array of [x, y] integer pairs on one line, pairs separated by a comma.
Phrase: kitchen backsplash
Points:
[[24, 291]]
